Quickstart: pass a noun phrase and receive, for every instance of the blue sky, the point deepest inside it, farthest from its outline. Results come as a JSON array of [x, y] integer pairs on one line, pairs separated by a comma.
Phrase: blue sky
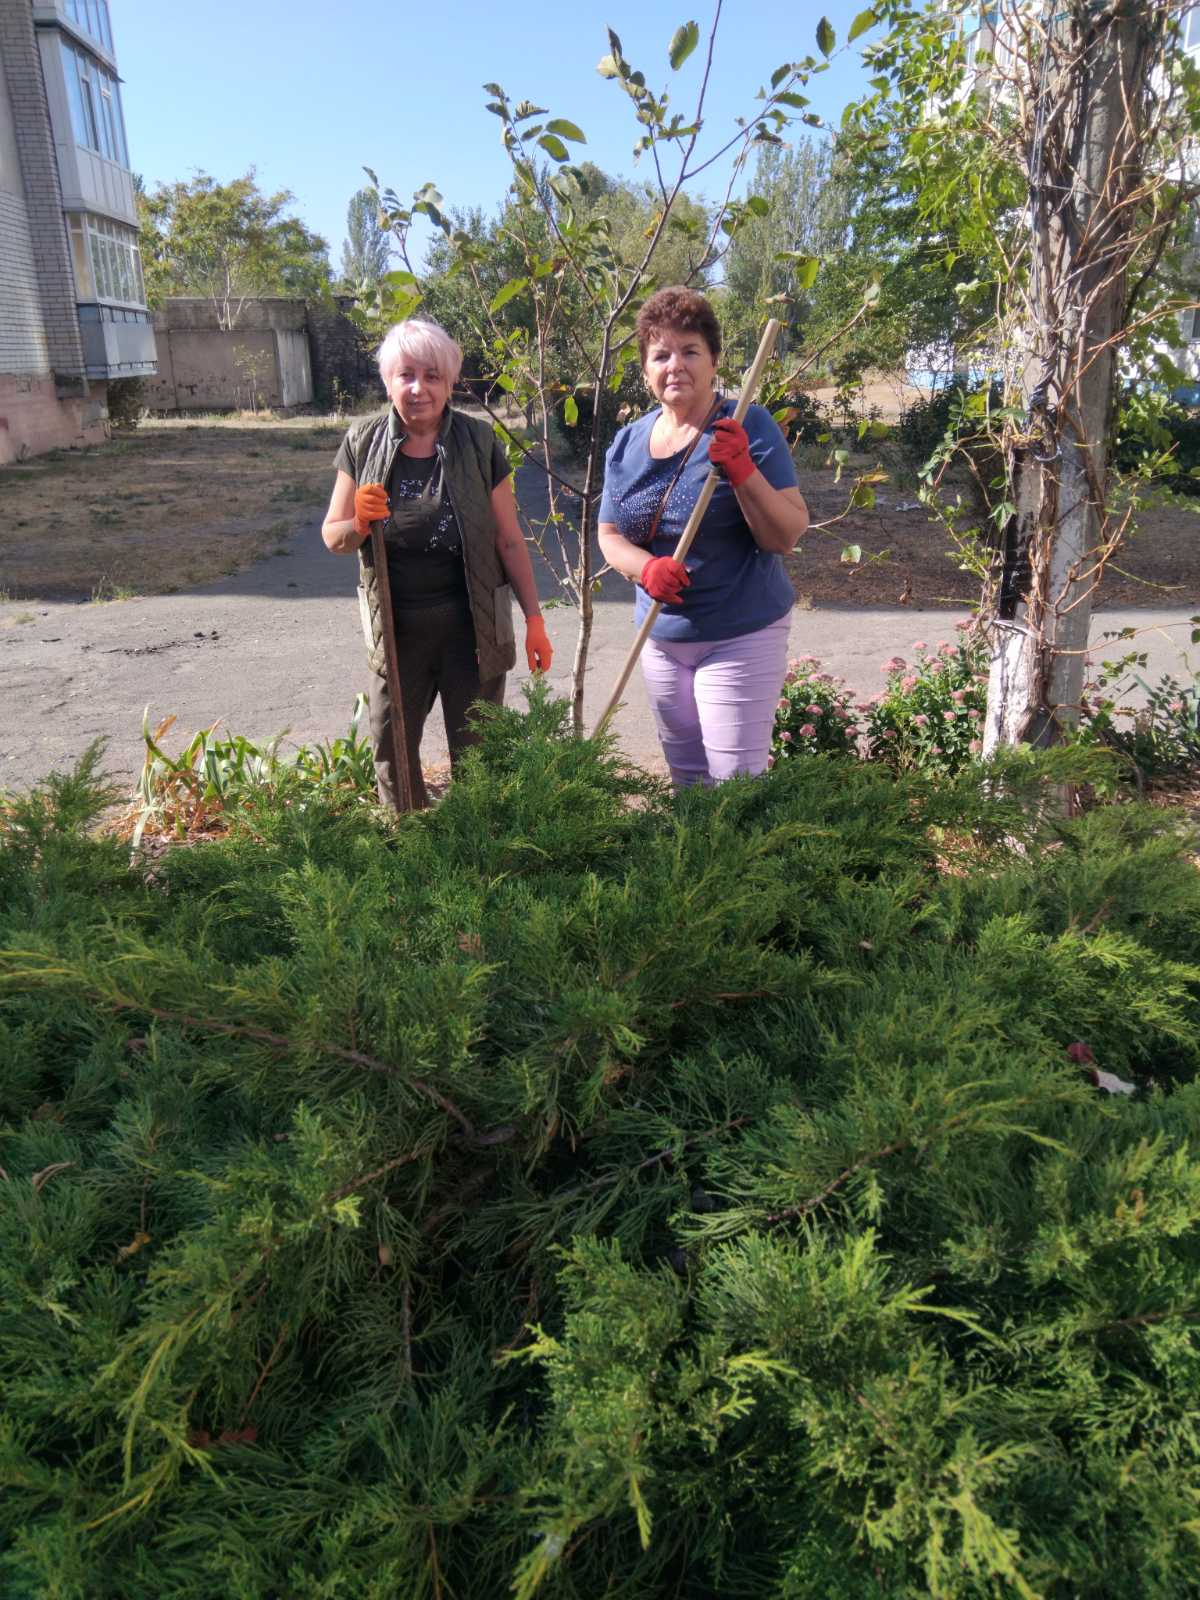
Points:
[[309, 92]]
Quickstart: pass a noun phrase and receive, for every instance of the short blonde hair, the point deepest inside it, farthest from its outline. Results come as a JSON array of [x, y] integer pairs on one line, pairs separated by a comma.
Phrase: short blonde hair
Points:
[[422, 341]]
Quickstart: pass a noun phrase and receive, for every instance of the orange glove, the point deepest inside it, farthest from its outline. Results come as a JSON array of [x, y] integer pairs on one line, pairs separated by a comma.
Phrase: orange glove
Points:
[[664, 579], [370, 505], [539, 652]]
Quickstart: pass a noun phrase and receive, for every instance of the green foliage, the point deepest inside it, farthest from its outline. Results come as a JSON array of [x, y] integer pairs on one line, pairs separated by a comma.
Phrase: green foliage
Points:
[[577, 1191], [1154, 728], [229, 242], [214, 777], [1158, 442]]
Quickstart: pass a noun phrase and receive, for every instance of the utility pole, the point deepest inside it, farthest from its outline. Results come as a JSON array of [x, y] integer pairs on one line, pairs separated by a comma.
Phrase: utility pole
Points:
[[1090, 67]]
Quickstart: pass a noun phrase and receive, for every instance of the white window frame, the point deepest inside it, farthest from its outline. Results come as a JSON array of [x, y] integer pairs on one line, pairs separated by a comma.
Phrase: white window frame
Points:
[[115, 262]]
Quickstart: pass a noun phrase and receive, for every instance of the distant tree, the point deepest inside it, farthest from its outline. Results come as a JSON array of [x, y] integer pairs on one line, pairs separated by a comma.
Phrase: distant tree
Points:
[[229, 242], [773, 259], [367, 248], [932, 287]]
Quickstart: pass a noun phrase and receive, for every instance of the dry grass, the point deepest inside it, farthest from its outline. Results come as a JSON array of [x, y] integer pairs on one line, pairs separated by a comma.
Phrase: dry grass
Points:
[[173, 505]]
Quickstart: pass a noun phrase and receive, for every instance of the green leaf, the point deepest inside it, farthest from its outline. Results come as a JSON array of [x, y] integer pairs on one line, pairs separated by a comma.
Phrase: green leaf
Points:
[[527, 109], [852, 554], [614, 44], [864, 20], [570, 411], [553, 146], [683, 41], [805, 267], [780, 74], [758, 206], [796, 101], [826, 38], [505, 294], [568, 130]]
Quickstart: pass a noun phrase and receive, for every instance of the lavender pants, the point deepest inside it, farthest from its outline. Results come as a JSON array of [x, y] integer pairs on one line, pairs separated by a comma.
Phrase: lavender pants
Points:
[[714, 702]]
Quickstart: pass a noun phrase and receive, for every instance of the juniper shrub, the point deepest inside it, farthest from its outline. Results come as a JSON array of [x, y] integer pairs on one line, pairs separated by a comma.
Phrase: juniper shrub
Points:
[[576, 1190]]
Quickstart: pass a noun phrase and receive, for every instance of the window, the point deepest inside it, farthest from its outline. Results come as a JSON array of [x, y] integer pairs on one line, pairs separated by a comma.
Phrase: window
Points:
[[95, 106], [91, 17], [84, 289], [1191, 325], [1191, 29], [113, 268]]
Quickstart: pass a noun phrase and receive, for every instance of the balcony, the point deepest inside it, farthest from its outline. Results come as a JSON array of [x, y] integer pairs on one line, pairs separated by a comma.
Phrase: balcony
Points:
[[117, 342]]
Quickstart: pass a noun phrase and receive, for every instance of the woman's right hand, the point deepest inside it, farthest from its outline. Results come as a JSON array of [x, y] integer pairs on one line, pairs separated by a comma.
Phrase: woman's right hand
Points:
[[664, 579], [370, 505]]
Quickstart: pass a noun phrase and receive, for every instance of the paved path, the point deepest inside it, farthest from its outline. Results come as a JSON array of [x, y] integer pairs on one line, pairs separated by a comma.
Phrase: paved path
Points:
[[279, 647]]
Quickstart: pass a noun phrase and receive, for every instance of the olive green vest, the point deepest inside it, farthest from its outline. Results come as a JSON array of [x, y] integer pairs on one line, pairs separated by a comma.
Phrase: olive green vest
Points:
[[465, 447]]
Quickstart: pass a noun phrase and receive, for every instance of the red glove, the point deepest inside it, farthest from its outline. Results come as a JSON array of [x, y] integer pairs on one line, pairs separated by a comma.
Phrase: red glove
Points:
[[370, 505], [538, 650], [664, 578], [729, 451]]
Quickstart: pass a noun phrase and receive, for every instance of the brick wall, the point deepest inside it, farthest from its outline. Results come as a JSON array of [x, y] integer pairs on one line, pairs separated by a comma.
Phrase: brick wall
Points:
[[43, 195], [33, 417]]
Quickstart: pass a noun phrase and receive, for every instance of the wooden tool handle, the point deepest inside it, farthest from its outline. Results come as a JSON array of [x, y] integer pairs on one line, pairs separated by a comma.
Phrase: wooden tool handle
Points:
[[383, 587]]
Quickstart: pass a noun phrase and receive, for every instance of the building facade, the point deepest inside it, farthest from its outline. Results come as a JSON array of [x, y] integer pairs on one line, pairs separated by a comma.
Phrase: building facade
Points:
[[73, 311]]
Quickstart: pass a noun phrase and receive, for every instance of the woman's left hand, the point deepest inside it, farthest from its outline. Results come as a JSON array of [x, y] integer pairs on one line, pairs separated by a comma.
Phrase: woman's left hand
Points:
[[538, 650], [729, 451]]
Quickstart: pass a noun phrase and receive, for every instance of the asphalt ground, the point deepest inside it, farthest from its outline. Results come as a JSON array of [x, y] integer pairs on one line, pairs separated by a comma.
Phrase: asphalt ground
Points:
[[279, 648]]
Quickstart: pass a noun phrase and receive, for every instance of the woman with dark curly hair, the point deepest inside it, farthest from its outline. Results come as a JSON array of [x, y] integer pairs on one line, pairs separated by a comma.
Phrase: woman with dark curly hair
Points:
[[716, 657]]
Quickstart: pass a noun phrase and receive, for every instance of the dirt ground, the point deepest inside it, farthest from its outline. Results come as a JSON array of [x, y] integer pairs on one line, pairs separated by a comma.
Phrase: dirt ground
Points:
[[168, 506], [178, 503]]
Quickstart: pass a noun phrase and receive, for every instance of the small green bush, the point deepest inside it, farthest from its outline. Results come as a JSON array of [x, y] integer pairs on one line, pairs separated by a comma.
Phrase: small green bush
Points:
[[126, 402], [1159, 442], [930, 716], [814, 714], [1158, 734]]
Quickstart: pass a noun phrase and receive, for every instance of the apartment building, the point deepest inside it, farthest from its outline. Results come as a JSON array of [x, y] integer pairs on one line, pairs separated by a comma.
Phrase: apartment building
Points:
[[73, 311]]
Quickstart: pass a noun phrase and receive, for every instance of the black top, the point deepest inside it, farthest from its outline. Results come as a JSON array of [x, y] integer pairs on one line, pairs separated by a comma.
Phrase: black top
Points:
[[424, 543], [423, 539]]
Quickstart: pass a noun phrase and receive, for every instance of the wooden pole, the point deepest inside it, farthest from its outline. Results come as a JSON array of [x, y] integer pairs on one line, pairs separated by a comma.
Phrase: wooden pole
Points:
[[745, 400], [403, 777]]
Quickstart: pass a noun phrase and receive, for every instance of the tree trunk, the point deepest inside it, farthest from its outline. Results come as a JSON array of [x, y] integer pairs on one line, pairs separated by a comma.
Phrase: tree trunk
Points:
[[1084, 164]]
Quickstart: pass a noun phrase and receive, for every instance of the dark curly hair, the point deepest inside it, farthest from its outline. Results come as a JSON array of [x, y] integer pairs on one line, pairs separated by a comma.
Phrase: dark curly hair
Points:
[[680, 311]]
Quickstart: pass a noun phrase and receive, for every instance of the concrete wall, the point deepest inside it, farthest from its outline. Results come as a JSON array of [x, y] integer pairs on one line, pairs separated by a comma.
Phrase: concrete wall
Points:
[[262, 361], [339, 352]]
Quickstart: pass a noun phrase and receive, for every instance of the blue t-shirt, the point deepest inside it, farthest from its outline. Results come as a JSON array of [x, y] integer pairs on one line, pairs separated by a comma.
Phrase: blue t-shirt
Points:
[[736, 588]]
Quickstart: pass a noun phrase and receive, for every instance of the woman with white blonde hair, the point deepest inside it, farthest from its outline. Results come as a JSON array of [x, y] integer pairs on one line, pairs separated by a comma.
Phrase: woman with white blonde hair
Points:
[[440, 482]]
